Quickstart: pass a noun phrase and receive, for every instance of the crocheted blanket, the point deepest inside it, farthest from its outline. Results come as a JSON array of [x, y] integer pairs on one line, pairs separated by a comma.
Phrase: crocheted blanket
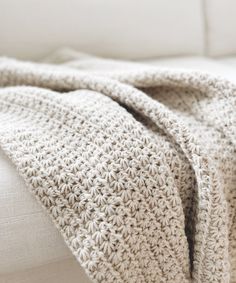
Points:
[[135, 165]]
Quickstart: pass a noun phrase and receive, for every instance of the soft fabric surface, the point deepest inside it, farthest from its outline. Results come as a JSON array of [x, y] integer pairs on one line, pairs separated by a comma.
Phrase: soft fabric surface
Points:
[[39, 243], [135, 166], [230, 61], [220, 17], [56, 272], [119, 29], [219, 67]]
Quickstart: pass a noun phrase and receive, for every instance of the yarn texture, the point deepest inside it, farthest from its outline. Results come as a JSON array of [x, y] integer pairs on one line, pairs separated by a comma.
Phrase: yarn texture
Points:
[[135, 165]]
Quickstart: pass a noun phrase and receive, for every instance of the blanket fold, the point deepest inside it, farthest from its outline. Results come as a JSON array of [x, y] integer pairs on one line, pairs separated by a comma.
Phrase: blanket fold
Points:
[[135, 165]]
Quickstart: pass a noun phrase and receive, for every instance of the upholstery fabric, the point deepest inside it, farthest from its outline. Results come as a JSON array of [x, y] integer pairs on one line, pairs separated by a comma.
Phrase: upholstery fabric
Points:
[[55, 272], [220, 23], [130, 29], [27, 237]]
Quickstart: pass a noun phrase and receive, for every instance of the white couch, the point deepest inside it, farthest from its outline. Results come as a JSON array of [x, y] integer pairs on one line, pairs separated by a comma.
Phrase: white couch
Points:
[[190, 34]]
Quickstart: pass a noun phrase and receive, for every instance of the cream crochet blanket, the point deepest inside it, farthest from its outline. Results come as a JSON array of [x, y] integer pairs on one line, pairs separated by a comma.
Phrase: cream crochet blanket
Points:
[[134, 164]]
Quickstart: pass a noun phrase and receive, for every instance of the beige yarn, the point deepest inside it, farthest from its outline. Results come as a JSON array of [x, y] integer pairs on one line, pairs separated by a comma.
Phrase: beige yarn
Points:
[[136, 166]]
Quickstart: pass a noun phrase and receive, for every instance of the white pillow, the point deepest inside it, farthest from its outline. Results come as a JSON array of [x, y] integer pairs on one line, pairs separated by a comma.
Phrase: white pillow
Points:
[[128, 29], [221, 27]]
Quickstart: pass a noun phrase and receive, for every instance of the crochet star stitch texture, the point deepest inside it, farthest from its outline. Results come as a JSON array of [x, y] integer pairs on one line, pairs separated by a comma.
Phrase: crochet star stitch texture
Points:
[[135, 165]]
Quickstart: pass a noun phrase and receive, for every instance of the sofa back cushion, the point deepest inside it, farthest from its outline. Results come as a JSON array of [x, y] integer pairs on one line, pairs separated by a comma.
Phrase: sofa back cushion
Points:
[[220, 27], [128, 29]]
